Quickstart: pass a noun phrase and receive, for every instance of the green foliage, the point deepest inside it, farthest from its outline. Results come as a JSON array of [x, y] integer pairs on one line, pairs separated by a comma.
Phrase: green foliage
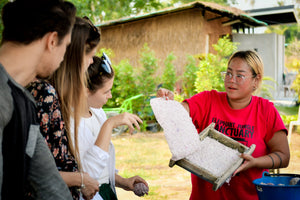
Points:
[[103, 10], [293, 63], [292, 33], [225, 47], [288, 118], [210, 66], [293, 49], [288, 114], [2, 3], [189, 77], [178, 97], [147, 81], [221, 2], [169, 74], [265, 91], [124, 84], [296, 86]]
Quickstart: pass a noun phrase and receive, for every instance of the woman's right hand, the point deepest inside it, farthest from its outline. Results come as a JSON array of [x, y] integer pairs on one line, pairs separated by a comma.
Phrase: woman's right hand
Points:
[[131, 120], [165, 93], [91, 187]]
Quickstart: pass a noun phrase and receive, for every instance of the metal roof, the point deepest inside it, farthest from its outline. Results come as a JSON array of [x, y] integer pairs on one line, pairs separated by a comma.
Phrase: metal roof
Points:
[[236, 16], [275, 15]]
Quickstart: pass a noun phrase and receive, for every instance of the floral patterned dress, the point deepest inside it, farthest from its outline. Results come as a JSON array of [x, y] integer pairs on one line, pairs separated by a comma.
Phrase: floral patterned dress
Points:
[[53, 128]]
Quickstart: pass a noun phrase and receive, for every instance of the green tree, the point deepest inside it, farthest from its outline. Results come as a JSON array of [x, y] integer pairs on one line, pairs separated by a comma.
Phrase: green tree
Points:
[[169, 74], [147, 81], [2, 3], [293, 63], [210, 67], [221, 2], [124, 84], [104, 10], [189, 77]]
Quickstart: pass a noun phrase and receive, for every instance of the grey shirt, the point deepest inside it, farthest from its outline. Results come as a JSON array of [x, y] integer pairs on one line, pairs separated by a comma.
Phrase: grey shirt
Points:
[[42, 171]]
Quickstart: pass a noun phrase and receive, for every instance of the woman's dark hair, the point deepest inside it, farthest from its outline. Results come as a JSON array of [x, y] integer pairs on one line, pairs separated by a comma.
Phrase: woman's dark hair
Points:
[[97, 75], [27, 21]]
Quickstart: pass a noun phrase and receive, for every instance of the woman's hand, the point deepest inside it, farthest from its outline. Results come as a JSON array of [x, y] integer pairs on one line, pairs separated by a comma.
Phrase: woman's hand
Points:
[[131, 120], [249, 162], [162, 92], [91, 187]]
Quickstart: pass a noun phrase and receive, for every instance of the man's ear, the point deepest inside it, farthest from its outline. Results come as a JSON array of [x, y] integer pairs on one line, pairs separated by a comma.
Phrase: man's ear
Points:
[[51, 40]]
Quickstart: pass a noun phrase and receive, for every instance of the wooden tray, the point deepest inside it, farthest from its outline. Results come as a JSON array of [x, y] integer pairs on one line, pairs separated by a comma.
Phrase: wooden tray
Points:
[[203, 173]]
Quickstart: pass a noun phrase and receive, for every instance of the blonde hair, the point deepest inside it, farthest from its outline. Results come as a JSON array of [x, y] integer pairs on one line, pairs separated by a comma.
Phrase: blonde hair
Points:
[[253, 61], [69, 79]]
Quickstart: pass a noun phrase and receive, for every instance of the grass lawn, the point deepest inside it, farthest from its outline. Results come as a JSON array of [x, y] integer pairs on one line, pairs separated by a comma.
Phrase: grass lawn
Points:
[[148, 155], [285, 110]]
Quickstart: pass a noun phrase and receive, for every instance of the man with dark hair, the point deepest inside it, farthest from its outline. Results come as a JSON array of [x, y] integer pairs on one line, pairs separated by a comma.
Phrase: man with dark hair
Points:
[[35, 36]]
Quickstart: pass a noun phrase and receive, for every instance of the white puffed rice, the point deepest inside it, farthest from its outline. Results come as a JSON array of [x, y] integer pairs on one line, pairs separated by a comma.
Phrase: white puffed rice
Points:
[[180, 132], [214, 157], [184, 142]]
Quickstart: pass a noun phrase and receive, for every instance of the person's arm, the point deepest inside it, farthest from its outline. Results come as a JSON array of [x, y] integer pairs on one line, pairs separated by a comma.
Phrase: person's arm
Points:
[[42, 172], [278, 157], [128, 183], [53, 130], [81, 179], [165, 93], [104, 136]]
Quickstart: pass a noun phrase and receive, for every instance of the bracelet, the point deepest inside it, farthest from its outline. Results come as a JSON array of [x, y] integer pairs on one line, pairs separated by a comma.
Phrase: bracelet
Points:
[[272, 162], [279, 158], [82, 186]]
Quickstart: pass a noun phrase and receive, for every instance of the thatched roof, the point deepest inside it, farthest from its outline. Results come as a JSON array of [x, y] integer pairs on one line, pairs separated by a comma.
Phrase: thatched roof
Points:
[[236, 16]]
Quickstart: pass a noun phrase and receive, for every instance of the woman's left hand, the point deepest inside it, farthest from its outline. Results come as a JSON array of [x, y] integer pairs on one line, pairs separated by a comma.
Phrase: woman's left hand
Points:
[[249, 162]]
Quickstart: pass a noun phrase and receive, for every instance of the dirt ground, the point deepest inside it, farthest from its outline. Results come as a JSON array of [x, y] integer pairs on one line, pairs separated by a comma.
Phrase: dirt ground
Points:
[[183, 186]]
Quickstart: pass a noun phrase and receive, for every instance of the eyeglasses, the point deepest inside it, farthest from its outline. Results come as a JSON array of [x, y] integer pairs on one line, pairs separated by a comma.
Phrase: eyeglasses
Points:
[[106, 64], [227, 76]]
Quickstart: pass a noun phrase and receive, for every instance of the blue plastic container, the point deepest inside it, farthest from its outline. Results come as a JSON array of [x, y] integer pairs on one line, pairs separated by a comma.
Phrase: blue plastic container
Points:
[[277, 187]]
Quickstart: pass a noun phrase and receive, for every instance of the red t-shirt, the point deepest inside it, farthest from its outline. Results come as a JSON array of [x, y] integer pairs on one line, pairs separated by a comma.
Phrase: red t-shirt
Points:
[[255, 124]]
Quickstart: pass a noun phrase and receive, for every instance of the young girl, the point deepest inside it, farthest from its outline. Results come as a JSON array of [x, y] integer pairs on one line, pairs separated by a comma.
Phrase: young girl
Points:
[[96, 149]]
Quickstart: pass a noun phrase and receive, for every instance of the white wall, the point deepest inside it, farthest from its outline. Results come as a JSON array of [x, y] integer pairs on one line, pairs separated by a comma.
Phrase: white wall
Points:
[[270, 47]]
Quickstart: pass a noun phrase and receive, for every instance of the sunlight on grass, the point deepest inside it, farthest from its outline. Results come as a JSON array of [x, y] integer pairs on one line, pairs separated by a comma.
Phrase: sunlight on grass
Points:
[[148, 155]]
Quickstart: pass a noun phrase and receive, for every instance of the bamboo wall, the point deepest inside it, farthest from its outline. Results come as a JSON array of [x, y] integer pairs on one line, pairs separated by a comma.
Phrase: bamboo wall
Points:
[[185, 32]]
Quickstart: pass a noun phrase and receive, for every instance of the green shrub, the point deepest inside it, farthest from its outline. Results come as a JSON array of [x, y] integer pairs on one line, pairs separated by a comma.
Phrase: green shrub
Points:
[[124, 84], [169, 74], [211, 65], [189, 77]]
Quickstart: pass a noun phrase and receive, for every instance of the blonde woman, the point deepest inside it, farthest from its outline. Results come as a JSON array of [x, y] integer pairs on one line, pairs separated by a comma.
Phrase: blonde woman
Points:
[[62, 98], [245, 118]]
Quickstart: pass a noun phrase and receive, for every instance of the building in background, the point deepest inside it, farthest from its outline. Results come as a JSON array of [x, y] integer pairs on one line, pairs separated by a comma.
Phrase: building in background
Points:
[[191, 29]]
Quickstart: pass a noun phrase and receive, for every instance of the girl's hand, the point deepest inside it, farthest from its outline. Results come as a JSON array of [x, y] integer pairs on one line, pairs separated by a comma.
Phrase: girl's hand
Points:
[[128, 183], [131, 120], [91, 187], [162, 92]]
